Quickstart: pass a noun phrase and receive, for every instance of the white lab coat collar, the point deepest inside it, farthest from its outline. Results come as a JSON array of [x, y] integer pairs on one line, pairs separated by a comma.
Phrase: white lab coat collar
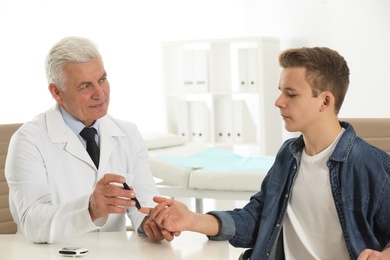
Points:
[[60, 132]]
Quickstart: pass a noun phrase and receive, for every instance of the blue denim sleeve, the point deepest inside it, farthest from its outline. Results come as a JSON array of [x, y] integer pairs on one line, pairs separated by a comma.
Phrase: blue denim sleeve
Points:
[[228, 227]]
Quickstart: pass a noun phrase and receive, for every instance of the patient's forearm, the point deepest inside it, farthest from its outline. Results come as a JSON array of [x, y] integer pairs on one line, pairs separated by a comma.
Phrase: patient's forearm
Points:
[[206, 224]]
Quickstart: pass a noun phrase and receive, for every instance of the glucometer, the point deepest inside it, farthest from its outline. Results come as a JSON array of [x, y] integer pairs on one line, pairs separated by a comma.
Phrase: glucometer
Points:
[[137, 204], [73, 251]]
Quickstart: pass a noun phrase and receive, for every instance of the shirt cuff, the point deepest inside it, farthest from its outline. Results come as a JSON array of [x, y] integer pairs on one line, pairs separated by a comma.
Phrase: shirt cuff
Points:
[[227, 228]]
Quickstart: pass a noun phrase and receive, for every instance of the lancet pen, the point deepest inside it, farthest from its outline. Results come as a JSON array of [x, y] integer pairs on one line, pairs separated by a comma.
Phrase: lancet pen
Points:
[[137, 204]]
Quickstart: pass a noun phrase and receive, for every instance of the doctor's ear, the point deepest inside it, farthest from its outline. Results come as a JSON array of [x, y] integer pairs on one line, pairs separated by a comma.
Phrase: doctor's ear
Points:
[[55, 92]]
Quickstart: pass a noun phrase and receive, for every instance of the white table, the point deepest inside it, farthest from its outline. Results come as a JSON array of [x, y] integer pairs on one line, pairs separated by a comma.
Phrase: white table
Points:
[[117, 245]]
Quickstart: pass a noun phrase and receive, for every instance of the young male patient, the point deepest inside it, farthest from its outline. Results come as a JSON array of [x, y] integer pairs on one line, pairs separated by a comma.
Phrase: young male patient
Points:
[[327, 196]]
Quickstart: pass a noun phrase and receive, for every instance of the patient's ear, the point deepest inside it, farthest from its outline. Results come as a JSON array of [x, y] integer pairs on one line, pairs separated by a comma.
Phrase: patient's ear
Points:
[[328, 101]]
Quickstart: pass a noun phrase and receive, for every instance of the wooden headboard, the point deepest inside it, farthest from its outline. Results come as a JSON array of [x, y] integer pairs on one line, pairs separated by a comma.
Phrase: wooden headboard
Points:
[[375, 131]]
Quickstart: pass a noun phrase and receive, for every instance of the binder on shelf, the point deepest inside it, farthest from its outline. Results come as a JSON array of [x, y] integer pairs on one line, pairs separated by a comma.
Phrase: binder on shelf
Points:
[[223, 117], [251, 57], [247, 69], [199, 117], [195, 71], [244, 126], [242, 70], [187, 71], [183, 124], [201, 71]]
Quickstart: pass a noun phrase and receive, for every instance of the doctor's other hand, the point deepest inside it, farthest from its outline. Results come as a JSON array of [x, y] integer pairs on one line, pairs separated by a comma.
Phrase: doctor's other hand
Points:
[[108, 197]]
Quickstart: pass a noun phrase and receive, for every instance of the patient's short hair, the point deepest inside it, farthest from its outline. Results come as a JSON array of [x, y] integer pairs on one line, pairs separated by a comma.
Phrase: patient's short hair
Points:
[[326, 70]]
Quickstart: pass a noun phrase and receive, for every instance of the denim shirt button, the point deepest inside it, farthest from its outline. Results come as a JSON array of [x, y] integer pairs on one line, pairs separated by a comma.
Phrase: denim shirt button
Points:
[[277, 225], [295, 166], [268, 253], [286, 196]]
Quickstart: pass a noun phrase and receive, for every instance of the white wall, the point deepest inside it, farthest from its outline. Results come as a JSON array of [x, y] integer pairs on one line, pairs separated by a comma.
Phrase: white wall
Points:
[[130, 33], [360, 31]]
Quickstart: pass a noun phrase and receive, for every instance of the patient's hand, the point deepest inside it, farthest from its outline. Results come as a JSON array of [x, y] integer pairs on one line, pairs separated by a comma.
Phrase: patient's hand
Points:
[[170, 214], [372, 254], [175, 217], [155, 232]]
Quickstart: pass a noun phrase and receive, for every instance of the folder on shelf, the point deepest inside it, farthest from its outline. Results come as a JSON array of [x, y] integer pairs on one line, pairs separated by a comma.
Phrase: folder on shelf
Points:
[[183, 126], [223, 117], [242, 70], [187, 71], [195, 71], [251, 58], [201, 71], [247, 69], [199, 116], [244, 126]]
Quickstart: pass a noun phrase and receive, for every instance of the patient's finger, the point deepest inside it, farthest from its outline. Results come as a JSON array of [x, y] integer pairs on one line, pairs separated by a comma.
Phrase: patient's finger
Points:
[[145, 210], [176, 233], [152, 212], [157, 213], [167, 201]]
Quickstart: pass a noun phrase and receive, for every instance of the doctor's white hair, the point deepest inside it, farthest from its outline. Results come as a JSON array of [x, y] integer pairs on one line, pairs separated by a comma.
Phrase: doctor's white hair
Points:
[[68, 50]]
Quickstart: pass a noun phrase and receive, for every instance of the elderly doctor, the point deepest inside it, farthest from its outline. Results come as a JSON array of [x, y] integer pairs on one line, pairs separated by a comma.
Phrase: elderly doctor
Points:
[[56, 190]]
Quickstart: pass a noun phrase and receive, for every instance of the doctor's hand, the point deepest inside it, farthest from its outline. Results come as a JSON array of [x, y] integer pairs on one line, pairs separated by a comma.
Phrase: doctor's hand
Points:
[[108, 198]]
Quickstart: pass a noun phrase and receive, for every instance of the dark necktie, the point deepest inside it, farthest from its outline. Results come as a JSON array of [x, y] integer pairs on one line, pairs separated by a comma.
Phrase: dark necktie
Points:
[[89, 135]]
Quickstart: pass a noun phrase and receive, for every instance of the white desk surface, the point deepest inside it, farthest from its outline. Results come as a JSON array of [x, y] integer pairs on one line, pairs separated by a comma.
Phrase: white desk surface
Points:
[[116, 246]]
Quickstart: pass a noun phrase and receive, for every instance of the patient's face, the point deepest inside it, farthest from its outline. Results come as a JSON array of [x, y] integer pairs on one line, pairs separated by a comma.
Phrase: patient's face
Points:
[[298, 108]]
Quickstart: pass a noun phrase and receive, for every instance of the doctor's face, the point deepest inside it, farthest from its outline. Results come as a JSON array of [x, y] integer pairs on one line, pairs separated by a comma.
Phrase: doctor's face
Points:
[[87, 91]]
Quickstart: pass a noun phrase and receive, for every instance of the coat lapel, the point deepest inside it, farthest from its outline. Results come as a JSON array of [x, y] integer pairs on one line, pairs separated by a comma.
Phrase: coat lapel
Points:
[[59, 132], [109, 133]]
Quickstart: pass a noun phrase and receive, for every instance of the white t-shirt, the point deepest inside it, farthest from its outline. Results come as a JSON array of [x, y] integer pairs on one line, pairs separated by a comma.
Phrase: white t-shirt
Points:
[[311, 226]]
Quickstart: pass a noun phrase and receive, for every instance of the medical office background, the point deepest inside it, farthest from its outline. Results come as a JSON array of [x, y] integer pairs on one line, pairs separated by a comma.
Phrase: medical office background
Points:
[[130, 35]]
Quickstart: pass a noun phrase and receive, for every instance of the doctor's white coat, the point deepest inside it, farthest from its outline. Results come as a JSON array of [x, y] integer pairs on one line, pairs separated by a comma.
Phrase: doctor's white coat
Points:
[[51, 176]]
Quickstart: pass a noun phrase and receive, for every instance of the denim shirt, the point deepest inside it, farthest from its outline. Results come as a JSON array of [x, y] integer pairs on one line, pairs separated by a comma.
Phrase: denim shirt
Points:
[[360, 184]]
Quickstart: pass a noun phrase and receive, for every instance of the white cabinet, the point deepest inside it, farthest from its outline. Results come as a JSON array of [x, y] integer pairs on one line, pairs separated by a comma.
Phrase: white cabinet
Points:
[[222, 91]]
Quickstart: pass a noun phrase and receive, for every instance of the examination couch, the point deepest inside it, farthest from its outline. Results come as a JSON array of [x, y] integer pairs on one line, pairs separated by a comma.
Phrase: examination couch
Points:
[[232, 184]]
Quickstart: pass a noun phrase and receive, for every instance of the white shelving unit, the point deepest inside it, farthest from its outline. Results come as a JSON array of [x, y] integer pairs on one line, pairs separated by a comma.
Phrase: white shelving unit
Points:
[[222, 92]]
